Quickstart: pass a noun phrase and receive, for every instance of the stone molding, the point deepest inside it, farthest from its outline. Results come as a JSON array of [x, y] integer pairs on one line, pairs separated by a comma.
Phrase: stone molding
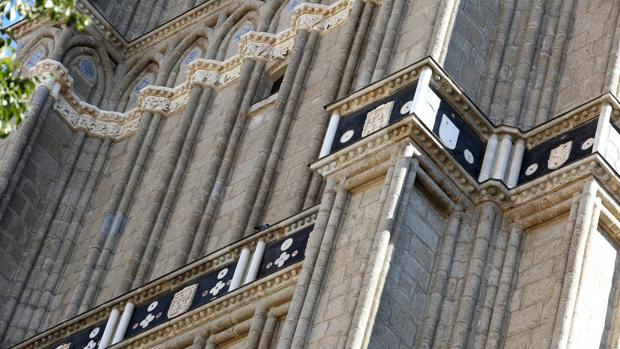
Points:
[[273, 48], [563, 183], [226, 303]]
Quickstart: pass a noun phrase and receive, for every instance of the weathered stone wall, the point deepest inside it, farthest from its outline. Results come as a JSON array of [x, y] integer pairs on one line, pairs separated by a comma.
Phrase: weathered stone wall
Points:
[[404, 295], [341, 286], [470, 44], [539, 279]]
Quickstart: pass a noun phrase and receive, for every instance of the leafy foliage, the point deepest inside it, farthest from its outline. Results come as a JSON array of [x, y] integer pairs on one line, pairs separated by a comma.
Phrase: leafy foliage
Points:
[[14, 89]]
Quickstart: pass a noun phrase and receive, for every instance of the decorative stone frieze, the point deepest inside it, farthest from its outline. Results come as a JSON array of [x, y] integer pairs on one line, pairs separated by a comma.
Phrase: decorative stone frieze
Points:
[[216, 74]]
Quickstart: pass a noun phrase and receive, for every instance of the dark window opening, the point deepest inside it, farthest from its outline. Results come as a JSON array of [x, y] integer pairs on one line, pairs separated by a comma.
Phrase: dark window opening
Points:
[[275, 87]]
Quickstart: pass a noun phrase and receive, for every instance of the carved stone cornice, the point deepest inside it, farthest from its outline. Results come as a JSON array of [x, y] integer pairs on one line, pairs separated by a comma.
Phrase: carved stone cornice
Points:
[[245, 295], [172, 27], [571, 119], [190, 272], [454, 95], [378, 90], [102, 24], [24, 27], [491, 190], [385, 141]]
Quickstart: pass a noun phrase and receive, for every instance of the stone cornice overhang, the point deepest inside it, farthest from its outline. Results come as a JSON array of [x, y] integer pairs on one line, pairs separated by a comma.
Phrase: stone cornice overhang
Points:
[[248, 293], [406, 77], [544, 199], [376, 149]]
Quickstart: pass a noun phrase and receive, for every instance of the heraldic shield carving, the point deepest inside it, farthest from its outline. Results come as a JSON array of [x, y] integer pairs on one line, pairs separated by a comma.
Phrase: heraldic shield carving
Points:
[[181, 301], [448, 132], [559, 155]]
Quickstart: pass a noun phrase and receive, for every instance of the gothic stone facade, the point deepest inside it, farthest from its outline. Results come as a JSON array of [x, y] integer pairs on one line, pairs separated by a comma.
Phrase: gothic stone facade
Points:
[[316, 174]]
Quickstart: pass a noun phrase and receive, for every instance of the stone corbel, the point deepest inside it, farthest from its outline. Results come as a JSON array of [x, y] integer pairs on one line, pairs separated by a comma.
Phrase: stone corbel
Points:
[[255, 45], [309, 17], [53, 75], [492, 190], [375, 2]]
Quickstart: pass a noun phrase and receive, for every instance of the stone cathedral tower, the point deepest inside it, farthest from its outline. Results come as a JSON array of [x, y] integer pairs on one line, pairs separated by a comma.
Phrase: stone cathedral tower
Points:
[[316, 174]]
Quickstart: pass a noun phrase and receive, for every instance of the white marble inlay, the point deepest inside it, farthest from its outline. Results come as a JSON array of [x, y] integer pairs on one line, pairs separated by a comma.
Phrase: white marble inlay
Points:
[[559, 155], [346, 136], [448, 132]]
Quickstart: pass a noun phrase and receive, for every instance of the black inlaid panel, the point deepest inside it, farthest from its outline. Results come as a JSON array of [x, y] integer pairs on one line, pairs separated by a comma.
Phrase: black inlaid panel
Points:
[[351, 126], [214, 285], [459, 139], [558, 152], [181, 300], [194, 294], [149, 315], [283, 253], [85, 339], [456, 135]]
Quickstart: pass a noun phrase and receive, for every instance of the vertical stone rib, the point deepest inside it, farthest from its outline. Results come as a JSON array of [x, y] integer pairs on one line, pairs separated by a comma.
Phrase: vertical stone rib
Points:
[[120, 216], [591, 230], [450, 303], [585, 214], [524, 64], [190, 239], [137, 270], [389, 39], [403, 168], [24, 313], [311, 182], [613, 63], [540, 69], [504, 289], [158, 225], [496, 55], [310, 260], [54, 261], [354, 56], [407, 192], [501, 88], [268, 331], [377, 36], [440, 281], [38, 104], [259, 187], [103, 240], [21, 275], [440, 30], [75, 225], [225, 164], [473, 278], [312, 288], [493, 272], [256, 327]]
